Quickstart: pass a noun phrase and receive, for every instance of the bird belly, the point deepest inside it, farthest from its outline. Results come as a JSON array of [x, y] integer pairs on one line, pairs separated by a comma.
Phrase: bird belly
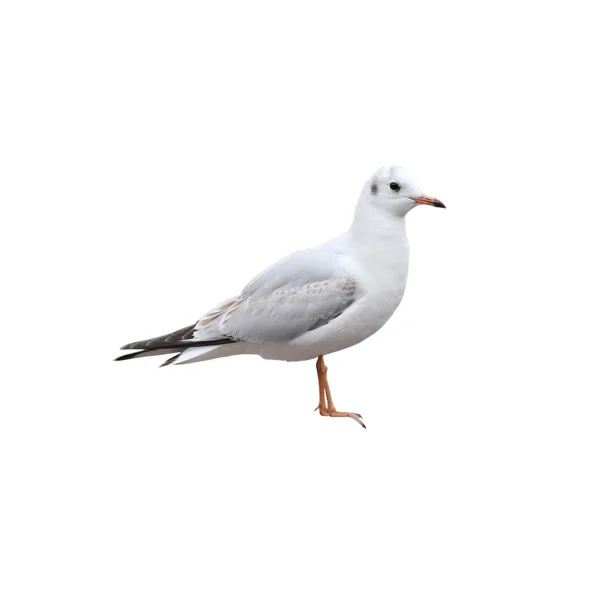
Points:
[[358, 322]]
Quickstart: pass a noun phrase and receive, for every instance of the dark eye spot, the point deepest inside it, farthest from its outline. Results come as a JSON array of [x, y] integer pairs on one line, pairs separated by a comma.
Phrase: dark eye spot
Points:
[[394, 186]]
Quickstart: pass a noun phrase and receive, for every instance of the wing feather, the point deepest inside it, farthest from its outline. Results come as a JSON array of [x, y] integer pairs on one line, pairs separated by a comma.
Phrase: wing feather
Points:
[[298, 294]]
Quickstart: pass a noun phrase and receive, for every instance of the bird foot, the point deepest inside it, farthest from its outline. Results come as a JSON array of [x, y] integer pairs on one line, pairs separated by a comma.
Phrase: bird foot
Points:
[[355, 416], [336, 413]]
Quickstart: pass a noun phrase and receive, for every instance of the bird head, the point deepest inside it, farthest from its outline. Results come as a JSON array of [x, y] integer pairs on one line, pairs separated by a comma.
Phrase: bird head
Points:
[[395, 190]]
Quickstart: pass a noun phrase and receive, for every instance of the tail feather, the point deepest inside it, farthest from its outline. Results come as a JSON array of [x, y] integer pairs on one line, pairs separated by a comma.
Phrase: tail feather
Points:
[[191, 355], [170, 360]]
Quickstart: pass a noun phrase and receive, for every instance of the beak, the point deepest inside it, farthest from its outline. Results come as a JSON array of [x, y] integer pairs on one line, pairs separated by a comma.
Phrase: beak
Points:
[[429, 201]]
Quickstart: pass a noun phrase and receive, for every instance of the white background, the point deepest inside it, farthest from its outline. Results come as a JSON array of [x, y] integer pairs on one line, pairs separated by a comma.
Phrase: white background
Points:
[[155, 157]]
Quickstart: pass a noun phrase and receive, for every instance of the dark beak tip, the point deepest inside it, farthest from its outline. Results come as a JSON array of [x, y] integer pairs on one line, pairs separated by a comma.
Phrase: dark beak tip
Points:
[[439, 204]]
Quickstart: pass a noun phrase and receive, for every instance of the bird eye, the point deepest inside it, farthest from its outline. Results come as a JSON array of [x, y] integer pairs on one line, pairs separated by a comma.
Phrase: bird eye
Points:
[[394, 186]]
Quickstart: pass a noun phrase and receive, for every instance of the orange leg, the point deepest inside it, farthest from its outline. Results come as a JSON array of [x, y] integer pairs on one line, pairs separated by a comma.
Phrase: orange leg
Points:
[[321, 374], [326, 407]]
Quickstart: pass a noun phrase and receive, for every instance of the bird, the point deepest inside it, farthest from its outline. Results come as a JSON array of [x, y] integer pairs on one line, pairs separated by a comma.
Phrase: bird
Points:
[[316, 301]]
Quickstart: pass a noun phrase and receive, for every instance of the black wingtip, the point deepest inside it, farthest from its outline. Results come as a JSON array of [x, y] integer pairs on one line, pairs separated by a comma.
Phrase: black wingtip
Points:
[[177, 345], [128, 356]]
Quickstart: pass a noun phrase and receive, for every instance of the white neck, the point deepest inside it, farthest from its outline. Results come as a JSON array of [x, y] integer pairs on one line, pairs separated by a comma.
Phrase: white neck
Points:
[[377, 234], [378, 243]]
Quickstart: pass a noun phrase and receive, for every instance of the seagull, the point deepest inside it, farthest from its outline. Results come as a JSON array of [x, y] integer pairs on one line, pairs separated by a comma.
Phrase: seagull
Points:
[[317, 301]]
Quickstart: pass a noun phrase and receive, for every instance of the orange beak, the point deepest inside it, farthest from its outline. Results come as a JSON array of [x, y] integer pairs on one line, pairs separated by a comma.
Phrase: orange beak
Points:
[[429, 201]]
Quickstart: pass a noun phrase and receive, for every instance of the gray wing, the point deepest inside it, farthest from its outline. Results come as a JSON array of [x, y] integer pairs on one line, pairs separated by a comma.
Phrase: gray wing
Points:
[[298, 294]]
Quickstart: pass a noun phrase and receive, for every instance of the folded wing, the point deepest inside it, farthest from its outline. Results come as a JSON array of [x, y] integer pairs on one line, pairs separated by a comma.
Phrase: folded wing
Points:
[[298, 294]]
